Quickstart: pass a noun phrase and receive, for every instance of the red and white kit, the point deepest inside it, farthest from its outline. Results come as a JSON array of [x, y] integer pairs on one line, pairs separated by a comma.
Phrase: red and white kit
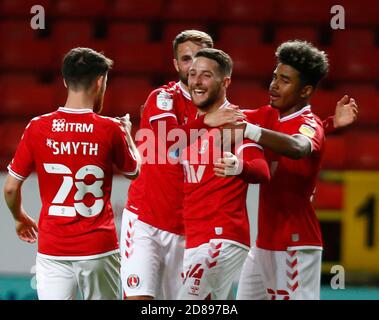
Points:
[[287, 224], [156, 198], [215, 216], [72, 152]]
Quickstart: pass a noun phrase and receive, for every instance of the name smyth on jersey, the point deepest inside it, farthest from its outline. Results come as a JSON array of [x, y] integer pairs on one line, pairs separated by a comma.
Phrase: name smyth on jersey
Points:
[[84, 148], [60, 125]]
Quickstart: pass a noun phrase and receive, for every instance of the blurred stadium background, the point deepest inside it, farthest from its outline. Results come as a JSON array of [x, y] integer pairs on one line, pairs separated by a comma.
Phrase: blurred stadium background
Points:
[[137, 34]]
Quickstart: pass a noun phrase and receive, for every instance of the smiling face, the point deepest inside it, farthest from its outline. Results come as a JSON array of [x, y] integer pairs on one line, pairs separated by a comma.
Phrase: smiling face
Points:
[[207, 86], [287, 92], [184, 58]]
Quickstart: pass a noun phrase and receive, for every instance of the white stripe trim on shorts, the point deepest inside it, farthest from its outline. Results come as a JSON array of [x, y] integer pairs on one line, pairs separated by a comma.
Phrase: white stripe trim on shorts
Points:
[[75, 258], [304, 248], [238, 244]]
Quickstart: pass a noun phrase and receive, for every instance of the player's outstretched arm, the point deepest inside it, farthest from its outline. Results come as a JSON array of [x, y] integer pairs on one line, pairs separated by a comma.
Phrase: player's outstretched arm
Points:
[[346, 113], [253, 167], [26, 227], [291, 146]]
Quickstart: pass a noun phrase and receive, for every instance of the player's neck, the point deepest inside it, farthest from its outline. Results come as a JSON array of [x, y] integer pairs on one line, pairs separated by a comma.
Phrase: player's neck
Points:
[[213, 107], [296, 108], [79, 100]]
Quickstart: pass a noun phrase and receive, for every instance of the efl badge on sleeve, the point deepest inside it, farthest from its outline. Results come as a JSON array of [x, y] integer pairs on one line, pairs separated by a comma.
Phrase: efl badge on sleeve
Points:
[[307, 131], [164, 101]]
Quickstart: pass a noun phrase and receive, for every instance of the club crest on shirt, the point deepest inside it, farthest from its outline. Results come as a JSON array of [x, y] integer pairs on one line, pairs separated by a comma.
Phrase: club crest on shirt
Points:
[[133, 281], [307, 131], [204, 146], [164, 101]]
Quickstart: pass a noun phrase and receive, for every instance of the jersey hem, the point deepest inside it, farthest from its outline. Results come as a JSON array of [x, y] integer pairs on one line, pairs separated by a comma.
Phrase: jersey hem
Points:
[[238, 244], [74, 258]]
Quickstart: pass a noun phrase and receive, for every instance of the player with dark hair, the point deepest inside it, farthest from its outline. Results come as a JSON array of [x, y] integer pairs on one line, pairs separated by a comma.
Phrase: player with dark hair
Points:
[[73, 150], [286, 261], [215, 215], [152, 241]]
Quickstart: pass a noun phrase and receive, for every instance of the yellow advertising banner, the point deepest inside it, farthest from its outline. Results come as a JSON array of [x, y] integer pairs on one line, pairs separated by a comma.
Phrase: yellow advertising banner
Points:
[[360, 222]]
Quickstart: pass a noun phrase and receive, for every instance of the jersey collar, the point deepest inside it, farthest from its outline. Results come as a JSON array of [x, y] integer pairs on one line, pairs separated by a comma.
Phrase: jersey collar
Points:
[[75, 111], [296, 114], [224, 105], [184, 91]]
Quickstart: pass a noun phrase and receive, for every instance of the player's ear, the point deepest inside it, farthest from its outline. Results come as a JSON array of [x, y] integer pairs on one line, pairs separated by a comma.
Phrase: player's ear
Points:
[[307, 91], [176, 65], [227, 81], [100, 82], [64, 83]]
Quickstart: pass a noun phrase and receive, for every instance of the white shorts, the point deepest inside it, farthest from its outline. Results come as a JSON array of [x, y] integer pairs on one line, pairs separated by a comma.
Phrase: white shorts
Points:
[[210, 270], [95, 279], [151, 259], [280, 275]]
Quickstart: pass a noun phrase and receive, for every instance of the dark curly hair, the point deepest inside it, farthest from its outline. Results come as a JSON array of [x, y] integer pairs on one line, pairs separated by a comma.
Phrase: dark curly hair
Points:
[[311, 63]]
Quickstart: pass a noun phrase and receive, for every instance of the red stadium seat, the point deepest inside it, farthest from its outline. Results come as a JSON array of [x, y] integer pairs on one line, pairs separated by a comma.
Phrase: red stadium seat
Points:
[[361, 13], [72, 31], [303, 12], [18, 78], [146, 58], [254, 62], [324, 102], [329, 195], [248, 11], [27, 100], [82, 8], [247, 94], [335, 156], [128, 32], [358, 64], [26, 56], [239, 35], [367, 97], [191, 10], [10, 135], [363, 151], [359, 38], [291, 33], [132, 9], [126, 95], [21, 8], [17, 30]]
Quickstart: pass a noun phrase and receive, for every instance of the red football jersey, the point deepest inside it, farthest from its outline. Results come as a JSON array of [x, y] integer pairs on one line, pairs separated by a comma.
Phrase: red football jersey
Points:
[[215, 207], [286, 218], [156, 196], [73, 152]]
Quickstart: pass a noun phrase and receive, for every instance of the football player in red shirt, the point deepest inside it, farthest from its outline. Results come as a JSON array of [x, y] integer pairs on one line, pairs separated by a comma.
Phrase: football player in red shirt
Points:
[[286, 260], [152, 241], [215, 215], [73, 150]]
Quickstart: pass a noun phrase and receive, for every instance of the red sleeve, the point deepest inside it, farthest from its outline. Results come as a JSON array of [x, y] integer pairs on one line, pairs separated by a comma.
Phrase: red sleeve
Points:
[[309, 127], [23, 161], [159, 105], [328, 125], [255, 168], [122, 156], [264, 117]]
